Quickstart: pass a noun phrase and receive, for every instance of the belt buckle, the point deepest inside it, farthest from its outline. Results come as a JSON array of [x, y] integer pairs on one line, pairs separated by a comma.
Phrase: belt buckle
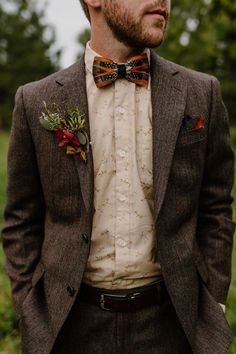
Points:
[[131, 296], [102, 302]]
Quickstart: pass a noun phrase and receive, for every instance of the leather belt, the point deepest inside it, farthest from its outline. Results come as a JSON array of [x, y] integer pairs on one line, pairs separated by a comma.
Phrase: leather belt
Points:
[[124, 300]]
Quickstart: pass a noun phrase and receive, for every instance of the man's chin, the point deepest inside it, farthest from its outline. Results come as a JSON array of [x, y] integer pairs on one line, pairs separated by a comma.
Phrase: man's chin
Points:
[[144, 44], [146, 40], [153, 43], [153, 39]]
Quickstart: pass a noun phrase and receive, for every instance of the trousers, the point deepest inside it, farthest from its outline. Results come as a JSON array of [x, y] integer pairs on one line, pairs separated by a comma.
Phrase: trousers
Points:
[[153, 330]]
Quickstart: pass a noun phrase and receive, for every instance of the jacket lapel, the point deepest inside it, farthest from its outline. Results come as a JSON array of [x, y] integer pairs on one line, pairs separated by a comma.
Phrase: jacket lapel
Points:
[[73, 85], [168, 103]]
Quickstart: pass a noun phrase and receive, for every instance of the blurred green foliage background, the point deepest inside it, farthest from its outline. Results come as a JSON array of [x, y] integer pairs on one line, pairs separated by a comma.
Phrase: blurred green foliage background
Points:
[[201, 36]]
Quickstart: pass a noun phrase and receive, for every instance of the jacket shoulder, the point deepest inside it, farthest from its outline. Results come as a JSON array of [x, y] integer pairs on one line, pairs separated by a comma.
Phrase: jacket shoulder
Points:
[[45, 87], [194, 76]]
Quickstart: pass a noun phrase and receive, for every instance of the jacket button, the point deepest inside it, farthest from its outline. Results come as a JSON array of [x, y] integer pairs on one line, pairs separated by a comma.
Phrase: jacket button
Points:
[[85, 238], [71, 291]]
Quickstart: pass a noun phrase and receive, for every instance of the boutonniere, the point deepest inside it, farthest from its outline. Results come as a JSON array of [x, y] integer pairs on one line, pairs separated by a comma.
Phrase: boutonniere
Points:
[[193, 123], [69, 128]]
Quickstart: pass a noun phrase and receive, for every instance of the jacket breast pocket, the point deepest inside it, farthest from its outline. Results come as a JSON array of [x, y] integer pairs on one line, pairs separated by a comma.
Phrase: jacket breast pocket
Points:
[[187, 137]]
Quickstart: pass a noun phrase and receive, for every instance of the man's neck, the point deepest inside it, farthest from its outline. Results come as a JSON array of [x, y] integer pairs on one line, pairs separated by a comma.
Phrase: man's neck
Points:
[[108, 46]]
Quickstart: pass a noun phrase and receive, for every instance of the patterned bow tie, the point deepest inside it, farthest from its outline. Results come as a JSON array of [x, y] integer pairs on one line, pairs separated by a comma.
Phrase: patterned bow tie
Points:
[[136, 70]]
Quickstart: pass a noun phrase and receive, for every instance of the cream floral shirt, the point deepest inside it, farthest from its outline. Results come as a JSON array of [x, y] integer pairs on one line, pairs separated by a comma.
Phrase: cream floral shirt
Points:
[[123, 248]]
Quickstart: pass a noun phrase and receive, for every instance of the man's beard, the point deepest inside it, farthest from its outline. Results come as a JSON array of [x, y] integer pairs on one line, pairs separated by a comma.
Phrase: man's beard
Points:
[[127, 29]]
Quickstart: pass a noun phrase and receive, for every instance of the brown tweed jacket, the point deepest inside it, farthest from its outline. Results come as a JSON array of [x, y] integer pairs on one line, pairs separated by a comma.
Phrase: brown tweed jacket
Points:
[[49, 211]]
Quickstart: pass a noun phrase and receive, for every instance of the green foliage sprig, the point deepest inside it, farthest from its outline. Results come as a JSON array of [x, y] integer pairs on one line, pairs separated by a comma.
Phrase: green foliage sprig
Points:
[[69, 127]]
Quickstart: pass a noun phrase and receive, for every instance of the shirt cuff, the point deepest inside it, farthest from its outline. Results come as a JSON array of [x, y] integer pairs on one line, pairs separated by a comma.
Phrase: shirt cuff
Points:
[[222, 306]]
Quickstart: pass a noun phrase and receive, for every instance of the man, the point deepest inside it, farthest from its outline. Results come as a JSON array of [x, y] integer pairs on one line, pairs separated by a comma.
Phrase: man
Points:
[[122, 245]]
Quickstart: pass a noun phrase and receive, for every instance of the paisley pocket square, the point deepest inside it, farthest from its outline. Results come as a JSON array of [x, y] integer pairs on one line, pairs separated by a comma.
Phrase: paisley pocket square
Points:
[[192, 123]]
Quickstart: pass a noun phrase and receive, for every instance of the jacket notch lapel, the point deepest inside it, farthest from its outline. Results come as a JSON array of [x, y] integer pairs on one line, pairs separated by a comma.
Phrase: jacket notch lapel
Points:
[[168, 104], [75, 94]]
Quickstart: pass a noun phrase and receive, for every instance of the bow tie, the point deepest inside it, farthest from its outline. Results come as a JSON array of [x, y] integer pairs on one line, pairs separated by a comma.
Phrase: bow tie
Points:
[[106, 71]]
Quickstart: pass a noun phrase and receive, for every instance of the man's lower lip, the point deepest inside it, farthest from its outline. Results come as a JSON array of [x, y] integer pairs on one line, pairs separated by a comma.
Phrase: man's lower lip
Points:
[[155, 14]]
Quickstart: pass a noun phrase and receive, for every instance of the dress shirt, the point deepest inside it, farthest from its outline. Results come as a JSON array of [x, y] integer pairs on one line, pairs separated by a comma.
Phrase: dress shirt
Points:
[[123, 251]]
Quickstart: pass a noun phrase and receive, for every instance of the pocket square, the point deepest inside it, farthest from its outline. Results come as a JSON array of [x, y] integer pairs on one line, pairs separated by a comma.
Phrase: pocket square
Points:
[[192, 123]]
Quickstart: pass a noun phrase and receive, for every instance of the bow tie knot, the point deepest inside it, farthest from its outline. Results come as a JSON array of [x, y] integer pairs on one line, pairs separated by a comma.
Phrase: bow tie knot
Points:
[[121, 71], [136, 70]]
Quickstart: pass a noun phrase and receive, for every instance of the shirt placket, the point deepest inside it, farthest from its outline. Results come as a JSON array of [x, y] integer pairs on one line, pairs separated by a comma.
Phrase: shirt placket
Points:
[[122, 117]]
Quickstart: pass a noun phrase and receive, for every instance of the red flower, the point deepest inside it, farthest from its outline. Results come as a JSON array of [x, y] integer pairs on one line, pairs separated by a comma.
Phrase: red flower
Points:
[[63, 142], [67, 138], [59, 134]]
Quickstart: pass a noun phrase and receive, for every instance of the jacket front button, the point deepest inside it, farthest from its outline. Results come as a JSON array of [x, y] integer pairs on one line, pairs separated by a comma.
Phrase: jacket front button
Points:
[[85, 238], [71, 291]]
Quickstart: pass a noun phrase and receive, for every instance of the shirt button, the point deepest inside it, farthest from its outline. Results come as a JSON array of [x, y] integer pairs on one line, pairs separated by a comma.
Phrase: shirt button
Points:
[[122, 153], [121, 242], [122, 198], [121, 110]]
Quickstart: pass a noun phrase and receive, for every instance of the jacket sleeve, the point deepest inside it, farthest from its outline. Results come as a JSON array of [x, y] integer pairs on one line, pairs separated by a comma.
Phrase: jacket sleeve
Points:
[[215, 225], [24, 212]]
